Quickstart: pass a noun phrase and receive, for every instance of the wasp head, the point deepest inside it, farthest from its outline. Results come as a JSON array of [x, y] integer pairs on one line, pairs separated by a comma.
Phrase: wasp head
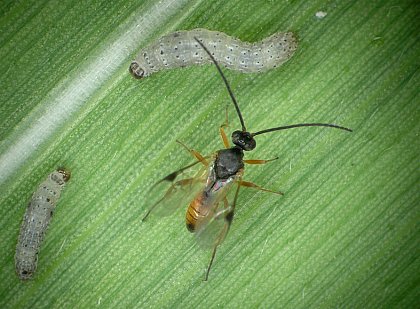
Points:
[[244, 140]]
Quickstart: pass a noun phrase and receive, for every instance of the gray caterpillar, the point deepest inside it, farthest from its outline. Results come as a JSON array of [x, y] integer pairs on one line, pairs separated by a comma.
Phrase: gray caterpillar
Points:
[[179, 49], [35, 222]]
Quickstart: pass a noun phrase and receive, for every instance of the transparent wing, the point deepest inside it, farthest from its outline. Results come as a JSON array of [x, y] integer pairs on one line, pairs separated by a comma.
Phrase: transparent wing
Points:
[[176, 189], [212, 229], [213, 232]]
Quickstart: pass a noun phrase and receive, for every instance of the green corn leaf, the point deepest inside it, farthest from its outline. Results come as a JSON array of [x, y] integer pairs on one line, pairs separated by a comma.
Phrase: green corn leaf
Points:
[[346, 231]]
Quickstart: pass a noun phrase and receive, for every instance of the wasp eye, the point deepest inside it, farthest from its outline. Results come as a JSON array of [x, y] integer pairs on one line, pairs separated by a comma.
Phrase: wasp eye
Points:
[[243, 140]]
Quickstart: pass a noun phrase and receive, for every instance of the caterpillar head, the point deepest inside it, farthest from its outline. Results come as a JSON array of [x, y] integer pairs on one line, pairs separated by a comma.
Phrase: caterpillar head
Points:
[[136, 70], [66, 174]]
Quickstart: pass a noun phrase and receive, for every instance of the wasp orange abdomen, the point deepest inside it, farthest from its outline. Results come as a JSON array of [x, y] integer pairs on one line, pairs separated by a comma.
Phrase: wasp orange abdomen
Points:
[[196, 211]]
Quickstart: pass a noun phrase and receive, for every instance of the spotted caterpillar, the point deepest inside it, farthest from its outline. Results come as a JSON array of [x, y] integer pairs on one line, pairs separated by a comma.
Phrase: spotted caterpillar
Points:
[[179, 49], [35, 222]]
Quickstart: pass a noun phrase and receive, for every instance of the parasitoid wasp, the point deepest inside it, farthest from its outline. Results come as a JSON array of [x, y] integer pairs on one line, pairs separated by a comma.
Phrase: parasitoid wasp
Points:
[[209, 213]]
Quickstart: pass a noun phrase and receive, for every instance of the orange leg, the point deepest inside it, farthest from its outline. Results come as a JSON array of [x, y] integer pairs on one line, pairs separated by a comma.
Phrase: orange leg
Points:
[[194, 153], [253, 185], [222, 131], [224, 137], [259, 161]]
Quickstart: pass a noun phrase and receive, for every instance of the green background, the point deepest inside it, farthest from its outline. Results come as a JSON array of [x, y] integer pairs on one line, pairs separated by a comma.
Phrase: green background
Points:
[[346, 232]]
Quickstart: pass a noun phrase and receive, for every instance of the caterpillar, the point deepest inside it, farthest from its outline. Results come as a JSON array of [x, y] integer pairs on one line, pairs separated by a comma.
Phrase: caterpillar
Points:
[[35, 222], [179, 49]]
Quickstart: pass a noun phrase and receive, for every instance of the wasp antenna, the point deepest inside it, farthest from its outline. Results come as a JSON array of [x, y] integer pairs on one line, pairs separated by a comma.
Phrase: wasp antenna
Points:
[[334, 126], [226, 83]]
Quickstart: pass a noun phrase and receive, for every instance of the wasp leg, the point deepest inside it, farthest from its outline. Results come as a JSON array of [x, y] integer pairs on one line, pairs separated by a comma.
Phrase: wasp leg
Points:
[[259, 161], [194, 153], [222, 131], [253, 185], [179, 183]]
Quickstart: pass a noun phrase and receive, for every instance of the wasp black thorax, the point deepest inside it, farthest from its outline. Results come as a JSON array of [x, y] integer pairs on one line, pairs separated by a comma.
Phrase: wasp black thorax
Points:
[[228, 162]]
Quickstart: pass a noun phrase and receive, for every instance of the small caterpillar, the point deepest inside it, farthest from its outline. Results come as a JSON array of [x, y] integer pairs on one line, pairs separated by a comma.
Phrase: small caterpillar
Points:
[[35, 222], [179, 49]]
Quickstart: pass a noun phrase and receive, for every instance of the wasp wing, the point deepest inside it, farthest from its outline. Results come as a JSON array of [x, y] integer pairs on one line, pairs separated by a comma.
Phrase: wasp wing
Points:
[[176, 189], [212, 229]]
